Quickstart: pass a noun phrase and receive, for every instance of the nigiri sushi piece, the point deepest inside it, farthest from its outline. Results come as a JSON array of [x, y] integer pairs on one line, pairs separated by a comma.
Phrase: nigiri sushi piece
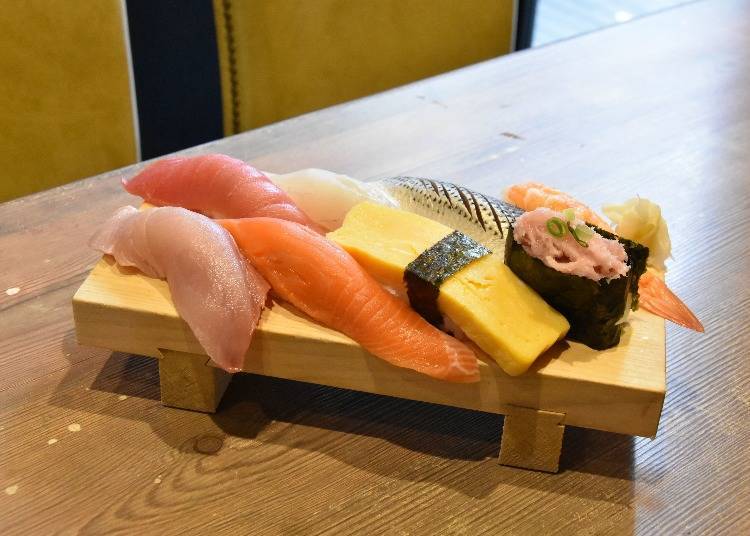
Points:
[[214, 289], [654, 295], [326, 196], [453, 282], [324, 281], [533, 195], [216, 185]]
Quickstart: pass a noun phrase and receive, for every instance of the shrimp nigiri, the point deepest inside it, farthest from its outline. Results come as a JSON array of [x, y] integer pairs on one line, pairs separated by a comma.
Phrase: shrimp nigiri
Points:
[[654, 295], [533, 195]]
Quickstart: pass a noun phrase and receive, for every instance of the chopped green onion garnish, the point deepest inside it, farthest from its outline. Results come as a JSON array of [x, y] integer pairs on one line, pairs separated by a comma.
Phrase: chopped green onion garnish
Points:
[[569, 214], [584, 232], [574, 234], [556, 227]]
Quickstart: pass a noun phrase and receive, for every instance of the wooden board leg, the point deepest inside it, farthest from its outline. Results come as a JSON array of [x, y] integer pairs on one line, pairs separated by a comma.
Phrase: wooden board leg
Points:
[[532, 439], [187, 382]]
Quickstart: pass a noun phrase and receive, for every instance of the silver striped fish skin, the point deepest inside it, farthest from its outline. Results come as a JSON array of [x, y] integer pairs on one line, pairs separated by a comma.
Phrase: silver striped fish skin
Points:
[[484, 218]]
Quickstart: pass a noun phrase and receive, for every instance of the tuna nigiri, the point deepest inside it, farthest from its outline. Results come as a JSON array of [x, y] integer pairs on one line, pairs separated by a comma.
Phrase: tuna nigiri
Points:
[[216, 185], [654, 295], [324, 281], [214, 289]]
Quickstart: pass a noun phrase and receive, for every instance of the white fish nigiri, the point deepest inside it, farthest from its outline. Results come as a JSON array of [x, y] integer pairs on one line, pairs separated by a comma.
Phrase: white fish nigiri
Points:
[[325, 196], [215, 290]]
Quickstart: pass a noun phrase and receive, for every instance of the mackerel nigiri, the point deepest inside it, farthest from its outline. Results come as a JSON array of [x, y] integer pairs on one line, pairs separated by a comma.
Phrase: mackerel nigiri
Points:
[[215, 290], [483, 218], [324, 281], [216, 185]]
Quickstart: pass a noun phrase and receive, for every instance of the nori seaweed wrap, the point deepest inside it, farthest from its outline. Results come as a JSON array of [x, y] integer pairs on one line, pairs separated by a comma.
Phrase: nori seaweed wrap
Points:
[[425, 274], [592, 308]]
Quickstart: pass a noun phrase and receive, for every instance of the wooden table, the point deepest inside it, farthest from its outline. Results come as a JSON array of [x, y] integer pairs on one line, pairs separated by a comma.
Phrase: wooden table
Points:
[[659, 107]]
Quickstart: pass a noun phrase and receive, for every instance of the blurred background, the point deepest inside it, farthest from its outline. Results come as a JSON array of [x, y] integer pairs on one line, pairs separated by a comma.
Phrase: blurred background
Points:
[[93, 85]]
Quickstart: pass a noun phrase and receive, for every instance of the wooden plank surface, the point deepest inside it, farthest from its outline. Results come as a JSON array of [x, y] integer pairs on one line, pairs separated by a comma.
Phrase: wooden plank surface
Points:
[[617, 390], [658, 107]]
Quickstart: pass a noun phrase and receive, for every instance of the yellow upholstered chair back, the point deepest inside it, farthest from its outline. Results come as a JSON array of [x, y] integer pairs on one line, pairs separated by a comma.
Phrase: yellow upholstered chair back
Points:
[[67, 103], [280, 58], [65, 93]]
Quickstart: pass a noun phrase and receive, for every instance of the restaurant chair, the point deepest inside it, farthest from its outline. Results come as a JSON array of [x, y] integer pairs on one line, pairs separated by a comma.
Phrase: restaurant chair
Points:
[[66, 107], [204, 69]]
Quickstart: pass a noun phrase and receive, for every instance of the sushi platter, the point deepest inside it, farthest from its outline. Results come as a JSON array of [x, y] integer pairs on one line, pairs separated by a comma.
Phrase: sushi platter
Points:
[[533, 307], [618, 390]]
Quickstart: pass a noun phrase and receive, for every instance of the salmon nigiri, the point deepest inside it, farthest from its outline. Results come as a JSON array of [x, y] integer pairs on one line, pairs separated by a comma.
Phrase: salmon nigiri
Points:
[[215, 290], [216, 185], [324, 281], [654, 295]]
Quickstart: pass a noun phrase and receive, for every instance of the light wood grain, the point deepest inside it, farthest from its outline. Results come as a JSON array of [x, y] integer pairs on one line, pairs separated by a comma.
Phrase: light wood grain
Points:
[[618, 390], [658, 107], [187, 382], [532, 439]]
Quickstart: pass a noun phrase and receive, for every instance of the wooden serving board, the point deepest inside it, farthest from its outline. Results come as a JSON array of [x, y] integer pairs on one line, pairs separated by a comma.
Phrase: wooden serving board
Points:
[[617, 390]]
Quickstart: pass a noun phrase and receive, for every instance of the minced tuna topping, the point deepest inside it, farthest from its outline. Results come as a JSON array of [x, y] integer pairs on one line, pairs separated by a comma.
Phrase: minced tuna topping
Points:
[[565, 244]]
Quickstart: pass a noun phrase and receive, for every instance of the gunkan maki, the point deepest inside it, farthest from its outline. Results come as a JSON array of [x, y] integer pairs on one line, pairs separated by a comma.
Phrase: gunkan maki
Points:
[[587, 274]]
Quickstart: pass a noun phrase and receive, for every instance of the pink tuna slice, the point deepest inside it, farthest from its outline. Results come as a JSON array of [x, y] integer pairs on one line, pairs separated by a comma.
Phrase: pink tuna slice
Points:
[[602, 259], [216, 185], [214, 289]]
